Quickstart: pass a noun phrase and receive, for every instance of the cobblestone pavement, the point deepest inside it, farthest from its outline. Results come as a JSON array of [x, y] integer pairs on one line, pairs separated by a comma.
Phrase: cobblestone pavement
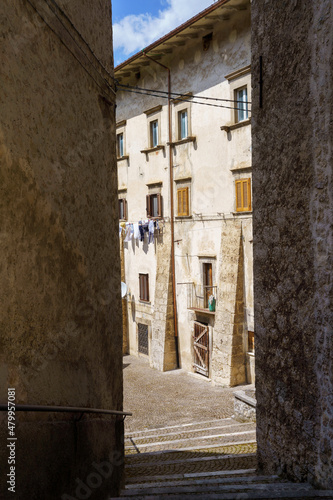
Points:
[[171, 398]]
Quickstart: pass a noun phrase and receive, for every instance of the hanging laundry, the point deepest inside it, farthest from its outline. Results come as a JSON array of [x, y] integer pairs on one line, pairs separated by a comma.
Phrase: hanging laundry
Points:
[[136, 234], [142, 233], [129, 233], [151, 231]]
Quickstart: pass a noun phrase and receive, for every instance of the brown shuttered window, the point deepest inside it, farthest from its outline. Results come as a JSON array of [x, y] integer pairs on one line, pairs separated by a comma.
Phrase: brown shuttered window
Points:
[[154, 205], [144, 287], [122, 204], [243, 195], [183, 205]]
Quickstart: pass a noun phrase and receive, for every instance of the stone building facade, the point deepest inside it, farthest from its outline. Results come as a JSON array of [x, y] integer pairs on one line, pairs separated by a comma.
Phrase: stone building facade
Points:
[[191, 156], [60, 308], [292, 189]]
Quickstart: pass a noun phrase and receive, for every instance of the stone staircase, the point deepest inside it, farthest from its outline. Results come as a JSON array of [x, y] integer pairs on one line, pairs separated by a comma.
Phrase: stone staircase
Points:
[[214, 459]]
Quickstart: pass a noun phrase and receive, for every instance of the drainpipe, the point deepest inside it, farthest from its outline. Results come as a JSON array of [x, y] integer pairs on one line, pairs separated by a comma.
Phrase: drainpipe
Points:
[[171, 208]]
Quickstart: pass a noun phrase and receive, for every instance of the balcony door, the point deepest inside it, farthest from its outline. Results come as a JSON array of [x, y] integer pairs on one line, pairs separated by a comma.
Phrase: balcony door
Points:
[[207, 282]]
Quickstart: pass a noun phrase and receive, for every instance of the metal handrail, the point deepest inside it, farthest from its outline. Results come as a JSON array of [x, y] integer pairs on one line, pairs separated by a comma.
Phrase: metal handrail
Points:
[[65, 409]]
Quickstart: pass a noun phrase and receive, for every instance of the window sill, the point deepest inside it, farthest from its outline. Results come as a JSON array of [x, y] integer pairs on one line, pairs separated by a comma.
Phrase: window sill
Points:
[[242, 213], [229, 128], [203, 311], [125, 157], [183, 217], [241, 169], [183, 141], [147, 302], [152, 150]]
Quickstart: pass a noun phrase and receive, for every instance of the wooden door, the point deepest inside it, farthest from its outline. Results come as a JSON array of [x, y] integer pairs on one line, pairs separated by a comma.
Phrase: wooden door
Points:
[[201, 348]]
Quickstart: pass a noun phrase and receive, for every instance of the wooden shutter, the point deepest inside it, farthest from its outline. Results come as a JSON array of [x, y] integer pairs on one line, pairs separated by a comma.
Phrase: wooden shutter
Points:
[[125, 209], [238, 196], [182, 198], [144, 287], [243, 195], [148, 205], [159, 205]]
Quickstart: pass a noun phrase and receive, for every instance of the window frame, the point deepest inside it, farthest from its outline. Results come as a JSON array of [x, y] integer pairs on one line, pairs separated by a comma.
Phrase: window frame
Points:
[[179, 119], [240, 205], [154, 134], [144, 287], [122, 202], [149, 205], [239, 105], [120, 149]]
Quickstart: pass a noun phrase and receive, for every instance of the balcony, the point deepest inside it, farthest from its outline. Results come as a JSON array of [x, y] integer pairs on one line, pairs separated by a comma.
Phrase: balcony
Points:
[[202, 298]]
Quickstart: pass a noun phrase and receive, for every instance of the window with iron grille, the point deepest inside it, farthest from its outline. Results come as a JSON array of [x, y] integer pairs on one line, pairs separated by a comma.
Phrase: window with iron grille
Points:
[[154, 205], [243, 195], [144, 287], [143, 346]]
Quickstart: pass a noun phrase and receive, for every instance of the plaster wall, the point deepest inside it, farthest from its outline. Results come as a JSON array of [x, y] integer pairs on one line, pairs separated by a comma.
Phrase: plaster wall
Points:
[[60, 312], [292, 188]]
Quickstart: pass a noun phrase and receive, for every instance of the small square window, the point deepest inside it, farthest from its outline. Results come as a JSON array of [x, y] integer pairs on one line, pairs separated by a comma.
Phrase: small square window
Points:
[[154, 134], [243, 195], [182, 124], [154, 205], [122, 203], [120, 145], [144, 287], [241, 104]]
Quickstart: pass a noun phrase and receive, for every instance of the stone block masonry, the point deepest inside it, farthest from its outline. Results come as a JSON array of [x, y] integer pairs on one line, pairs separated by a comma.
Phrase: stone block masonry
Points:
[[60, 308], [228, 357], [163, 347], [292, 129]]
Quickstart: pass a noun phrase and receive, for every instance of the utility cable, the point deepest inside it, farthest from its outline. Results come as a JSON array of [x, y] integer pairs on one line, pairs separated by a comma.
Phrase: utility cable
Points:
[[186, 96], [65, 45], [184, 100], [79, 34]]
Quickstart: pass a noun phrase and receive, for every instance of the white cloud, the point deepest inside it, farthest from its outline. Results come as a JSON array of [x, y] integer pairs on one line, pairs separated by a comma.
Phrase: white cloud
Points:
[[135, 32]]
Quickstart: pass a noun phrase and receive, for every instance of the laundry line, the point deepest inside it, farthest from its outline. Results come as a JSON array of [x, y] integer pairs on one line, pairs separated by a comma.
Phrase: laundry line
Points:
[[138, 230]]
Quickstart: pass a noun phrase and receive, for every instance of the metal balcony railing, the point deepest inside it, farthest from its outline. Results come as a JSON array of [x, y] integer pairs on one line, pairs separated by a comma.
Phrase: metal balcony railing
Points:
[[201, 297]]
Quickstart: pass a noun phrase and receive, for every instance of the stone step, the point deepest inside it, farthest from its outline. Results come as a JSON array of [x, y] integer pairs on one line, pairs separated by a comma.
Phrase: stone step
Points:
[[250, 488], [192, 476], [205, 424], [196, 452], [194, 489], [195, 433], [200, 442], [208, 481], [191, 465]]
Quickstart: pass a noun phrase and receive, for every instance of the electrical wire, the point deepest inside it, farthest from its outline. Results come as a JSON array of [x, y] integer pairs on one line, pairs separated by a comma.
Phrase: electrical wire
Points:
[[185, 100], [82, 38], [65, 45], [186, 96]]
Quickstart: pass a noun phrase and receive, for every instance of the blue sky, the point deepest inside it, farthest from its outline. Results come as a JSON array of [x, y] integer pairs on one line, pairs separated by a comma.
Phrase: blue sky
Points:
[[137, 23]]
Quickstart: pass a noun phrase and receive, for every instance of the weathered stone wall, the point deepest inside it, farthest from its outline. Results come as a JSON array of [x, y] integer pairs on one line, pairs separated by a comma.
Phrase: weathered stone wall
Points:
[[124, 304], [163, 346], [228, 356], [60, 308], [292, 191]]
